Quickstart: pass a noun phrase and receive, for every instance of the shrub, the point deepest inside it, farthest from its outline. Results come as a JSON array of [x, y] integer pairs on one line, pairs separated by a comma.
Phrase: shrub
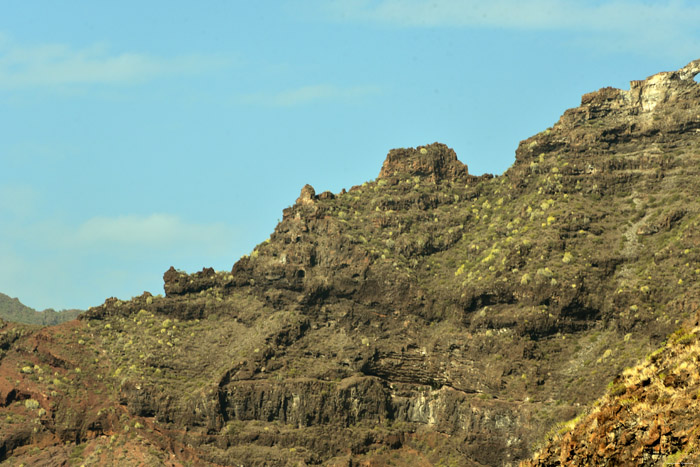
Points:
[[686, 339], [681, 337], [545, 272], [655, 355], [31, 404]]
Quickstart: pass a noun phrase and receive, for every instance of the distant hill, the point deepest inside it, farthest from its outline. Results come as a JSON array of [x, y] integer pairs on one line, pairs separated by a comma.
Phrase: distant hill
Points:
[[11, 309]]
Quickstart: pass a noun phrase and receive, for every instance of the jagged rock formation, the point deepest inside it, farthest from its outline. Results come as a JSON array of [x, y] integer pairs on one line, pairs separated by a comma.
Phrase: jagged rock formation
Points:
[[435, 162], [427, 317]]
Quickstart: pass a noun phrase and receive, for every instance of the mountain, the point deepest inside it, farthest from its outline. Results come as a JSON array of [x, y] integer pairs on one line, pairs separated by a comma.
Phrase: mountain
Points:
[[428, 317], [11, 309]]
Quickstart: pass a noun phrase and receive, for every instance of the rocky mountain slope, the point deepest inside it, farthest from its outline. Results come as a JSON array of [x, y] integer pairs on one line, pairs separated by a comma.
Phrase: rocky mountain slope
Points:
[[428, 317], [649, 415], [11, 309]]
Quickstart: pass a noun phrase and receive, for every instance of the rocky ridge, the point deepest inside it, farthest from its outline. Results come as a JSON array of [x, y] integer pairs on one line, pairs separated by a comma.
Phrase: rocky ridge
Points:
[[429, 317]]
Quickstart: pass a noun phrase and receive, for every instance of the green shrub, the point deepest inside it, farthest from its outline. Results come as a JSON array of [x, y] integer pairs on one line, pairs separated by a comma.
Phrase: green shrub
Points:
[[31, 404]]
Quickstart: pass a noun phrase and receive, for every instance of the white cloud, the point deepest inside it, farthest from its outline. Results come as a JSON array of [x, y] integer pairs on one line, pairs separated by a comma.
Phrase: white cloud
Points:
[[50, 263], [307, 94], [519, 14], [59, 64], [662, 26], [157, 231], [121, 236]]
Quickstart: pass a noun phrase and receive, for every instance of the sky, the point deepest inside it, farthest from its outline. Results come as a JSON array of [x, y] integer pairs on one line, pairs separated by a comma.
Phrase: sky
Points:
[[135, 136]]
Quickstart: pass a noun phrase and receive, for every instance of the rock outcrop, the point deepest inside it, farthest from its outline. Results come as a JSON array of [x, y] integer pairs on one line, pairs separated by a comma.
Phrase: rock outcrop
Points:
[[434, 162], [307, 196]]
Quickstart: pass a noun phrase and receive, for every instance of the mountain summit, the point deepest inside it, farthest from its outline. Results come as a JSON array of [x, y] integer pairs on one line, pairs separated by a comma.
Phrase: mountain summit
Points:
[[428, 317], [434, 162]]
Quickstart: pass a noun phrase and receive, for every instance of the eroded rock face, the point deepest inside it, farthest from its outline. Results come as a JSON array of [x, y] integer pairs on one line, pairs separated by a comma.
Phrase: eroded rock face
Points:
[[661, 88], [434, 162], [307, 196], [616, 138]]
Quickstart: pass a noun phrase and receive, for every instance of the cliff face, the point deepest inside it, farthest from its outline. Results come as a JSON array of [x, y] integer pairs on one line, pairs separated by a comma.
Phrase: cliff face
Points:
[[427, 317]]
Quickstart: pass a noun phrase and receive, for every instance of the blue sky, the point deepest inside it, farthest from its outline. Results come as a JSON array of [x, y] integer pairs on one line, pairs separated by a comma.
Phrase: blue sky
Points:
[[139, 135]]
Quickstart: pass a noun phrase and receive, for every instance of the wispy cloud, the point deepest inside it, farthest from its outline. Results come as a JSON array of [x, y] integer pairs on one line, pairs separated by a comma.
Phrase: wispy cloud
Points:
[[120, 236], [159, 231], [60, 64], [633, 25], [17, 200], [521, 14], [51, 263], [308, 94]]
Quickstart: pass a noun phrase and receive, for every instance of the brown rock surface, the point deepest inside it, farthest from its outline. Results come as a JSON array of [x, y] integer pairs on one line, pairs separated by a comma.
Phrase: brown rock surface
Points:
[[642, 420], [435, 162]]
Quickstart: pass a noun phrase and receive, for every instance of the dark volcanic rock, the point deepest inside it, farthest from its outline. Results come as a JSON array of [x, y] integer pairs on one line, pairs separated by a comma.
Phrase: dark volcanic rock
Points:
[[179, 283], [435, 162]]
